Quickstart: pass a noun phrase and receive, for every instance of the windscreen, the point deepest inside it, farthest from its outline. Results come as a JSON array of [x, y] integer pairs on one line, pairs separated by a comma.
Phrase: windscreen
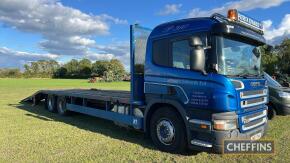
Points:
[[238, 58]]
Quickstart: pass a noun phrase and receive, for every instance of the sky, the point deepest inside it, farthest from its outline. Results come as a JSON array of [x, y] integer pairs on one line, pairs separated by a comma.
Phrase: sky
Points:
[[31, 30]]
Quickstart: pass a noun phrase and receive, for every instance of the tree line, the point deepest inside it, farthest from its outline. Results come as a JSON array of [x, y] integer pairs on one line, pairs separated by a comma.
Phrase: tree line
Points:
[[112, 70]]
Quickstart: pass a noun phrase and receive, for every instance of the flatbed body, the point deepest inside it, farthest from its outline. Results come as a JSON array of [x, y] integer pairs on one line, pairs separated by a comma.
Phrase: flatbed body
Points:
[[112, 105], [92, 94]]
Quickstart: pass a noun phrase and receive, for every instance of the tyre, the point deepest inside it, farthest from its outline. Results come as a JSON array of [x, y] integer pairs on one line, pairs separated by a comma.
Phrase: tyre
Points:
[[51, 103], [61, 106], [167, 130], [271, 112], [34, 101]]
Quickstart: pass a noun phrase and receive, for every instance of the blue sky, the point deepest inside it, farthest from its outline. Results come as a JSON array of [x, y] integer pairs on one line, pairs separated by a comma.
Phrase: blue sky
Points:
[[65, 29]]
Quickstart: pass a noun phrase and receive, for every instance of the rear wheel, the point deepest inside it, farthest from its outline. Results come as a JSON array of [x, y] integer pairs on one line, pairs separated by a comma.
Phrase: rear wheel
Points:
[[167, 130], [51, 103], [61, 106]]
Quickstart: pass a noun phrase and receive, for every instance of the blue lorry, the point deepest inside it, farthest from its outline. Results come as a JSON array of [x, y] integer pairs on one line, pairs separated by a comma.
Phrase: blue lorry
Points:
[[194, 83]]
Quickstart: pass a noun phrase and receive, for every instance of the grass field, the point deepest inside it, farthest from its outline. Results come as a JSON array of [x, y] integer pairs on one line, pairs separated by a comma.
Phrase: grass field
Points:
[[32, 134]]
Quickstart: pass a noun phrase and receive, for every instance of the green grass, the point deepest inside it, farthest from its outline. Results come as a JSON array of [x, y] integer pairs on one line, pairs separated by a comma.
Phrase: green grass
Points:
[[32, 134]]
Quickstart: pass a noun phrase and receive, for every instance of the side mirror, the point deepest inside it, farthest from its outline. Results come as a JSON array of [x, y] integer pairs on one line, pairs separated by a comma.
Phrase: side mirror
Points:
[[257, 52], [197, 55]]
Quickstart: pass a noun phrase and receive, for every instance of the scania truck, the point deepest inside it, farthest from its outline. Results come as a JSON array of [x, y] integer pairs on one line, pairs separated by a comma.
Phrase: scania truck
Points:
[[194, 83]]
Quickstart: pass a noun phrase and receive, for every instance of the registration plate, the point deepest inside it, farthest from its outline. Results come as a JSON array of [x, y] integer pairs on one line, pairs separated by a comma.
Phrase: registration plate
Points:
[[256, 136]]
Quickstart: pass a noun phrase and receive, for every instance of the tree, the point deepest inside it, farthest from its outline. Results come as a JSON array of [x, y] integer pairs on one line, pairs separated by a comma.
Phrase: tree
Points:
[[85, 67], [60, 73], [27, 71], [72, 68], [269, 60], [117, 69], [85, 63], [99, 67], [284, 56], [53, 66], [41, 68], [112, 70], [10, 73]]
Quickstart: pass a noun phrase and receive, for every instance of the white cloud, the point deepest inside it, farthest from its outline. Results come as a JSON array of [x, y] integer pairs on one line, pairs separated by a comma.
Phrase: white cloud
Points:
[[118, 48], [242, 5], [81, 41], [12, 58], [49, 18], [98, 56], [106, 17], [66, 31], [170, 9], [275, 35], [26, 55]]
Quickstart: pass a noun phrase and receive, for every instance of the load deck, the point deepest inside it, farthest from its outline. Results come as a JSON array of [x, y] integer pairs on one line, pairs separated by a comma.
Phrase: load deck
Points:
[[108, 104], [92, 94]]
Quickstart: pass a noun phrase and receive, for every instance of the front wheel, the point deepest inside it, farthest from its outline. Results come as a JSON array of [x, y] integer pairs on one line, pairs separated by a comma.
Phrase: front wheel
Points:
[[167, 130]]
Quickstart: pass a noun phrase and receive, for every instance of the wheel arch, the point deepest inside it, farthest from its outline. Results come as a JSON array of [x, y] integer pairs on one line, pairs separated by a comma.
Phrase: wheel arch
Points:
[[158, 103]]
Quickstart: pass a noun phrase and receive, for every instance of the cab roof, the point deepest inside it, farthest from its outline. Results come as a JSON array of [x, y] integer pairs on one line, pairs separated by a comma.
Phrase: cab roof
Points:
[[204, 24], [183, 25]]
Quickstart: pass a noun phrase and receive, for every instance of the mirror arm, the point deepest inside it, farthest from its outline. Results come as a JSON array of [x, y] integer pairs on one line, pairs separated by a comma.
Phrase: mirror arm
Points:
[[204, 73]]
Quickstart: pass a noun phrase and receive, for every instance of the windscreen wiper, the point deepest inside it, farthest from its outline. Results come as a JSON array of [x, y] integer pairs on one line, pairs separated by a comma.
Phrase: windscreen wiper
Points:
[[246, 75]]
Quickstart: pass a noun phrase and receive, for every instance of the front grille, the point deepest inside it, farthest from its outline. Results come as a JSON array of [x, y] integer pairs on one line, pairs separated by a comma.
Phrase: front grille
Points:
[[253, 93], [254, 124], [256, 100], [253, 120], [251, 117], [253, 102], [252, 108]]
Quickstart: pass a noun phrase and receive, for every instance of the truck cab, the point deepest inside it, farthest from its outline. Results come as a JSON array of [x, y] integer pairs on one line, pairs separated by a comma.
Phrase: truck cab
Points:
[[201, 81]]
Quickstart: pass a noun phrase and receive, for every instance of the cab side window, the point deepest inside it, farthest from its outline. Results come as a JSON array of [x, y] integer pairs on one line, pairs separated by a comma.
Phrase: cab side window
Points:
[[161, 52], [174, 51], [181, 54]]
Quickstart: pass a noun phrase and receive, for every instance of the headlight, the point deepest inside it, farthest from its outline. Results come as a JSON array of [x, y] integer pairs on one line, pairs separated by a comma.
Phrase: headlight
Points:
[[225, 124], [284, 94]]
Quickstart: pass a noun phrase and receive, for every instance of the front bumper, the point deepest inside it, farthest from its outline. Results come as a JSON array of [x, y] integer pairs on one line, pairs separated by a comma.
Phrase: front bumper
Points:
[[216, 138], [220, 136]]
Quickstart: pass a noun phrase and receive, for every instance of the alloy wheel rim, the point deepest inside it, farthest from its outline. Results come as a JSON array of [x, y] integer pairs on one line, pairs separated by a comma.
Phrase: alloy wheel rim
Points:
[[165, 131]]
